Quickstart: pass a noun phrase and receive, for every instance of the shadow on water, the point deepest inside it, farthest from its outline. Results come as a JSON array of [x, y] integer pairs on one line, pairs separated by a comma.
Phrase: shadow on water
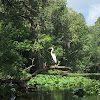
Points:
[[54, 95], [97, 77], [58, 94]]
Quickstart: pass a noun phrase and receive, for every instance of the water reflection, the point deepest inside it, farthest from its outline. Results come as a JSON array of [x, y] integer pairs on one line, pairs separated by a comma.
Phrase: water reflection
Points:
[[54, 95], [58, 94]]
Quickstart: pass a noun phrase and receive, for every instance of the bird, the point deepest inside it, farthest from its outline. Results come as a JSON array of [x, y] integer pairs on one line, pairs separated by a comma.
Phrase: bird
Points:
[[53, 55]]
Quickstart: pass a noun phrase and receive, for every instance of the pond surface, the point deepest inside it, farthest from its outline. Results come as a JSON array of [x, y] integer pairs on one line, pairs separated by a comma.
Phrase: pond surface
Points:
[[55, 95], [58, 94]]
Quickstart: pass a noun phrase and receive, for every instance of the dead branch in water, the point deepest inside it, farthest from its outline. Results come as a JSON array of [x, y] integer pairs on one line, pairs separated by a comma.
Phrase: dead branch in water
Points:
[[33, 75], [45, 69]]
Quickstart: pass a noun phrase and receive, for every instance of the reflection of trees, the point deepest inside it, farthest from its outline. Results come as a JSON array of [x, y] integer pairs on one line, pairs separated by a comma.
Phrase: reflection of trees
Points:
[[54, 95]]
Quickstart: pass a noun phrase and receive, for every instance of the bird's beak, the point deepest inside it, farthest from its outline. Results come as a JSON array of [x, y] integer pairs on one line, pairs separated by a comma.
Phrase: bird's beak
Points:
[[49, 48]]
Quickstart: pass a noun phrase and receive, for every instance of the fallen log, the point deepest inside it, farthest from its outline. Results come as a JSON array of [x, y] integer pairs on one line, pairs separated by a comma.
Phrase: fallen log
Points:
[[60, 67], [33, 75], [45, 69], [21, 83]]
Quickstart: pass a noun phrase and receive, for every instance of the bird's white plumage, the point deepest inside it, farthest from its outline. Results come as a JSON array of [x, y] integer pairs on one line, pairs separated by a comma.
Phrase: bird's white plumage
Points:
[[53, 55]]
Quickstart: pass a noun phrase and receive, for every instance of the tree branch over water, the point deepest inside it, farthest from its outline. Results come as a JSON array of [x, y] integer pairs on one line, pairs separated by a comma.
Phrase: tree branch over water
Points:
[[45, 69], [33, 75]]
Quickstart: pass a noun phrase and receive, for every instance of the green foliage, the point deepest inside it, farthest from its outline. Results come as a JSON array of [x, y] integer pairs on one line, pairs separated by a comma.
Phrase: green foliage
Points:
[[23, 46], [91, 87], [8, 91], [10, 58], [94, 36], [44, 41], [82, 74], [29, 28], [59, 52], [55, 71], [25, 74], [77, 44]]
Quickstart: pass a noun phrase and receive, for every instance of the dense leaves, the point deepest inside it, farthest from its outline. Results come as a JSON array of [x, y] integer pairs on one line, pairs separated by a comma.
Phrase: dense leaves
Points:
[[29, 27], [77, 84]]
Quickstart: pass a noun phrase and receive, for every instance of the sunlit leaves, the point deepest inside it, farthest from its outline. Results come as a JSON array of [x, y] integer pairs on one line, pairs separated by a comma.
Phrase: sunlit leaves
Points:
[[59, 52], [23, 46], [42, 42], [90, 87]]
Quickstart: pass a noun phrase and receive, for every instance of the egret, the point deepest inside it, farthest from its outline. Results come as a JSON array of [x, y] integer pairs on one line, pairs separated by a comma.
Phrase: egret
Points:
[[53, 55]]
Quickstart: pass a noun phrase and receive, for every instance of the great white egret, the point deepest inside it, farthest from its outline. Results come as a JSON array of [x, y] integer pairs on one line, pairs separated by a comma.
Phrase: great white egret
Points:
[[53, 55]]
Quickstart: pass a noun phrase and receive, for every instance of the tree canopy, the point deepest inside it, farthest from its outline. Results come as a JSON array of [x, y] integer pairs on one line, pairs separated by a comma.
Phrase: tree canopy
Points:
[[29, 27]]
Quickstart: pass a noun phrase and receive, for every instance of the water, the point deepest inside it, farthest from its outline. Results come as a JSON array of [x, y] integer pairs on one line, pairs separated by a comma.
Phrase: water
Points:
[[55, 95], [58, 94]]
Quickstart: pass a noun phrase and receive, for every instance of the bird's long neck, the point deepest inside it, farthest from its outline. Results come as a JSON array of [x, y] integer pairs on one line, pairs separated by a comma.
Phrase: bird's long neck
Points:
[[51, 51]]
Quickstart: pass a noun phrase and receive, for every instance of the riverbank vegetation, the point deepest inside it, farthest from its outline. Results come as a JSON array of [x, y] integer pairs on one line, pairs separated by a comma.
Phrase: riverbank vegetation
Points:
[[80, 85], [29, 27], [59, 72]]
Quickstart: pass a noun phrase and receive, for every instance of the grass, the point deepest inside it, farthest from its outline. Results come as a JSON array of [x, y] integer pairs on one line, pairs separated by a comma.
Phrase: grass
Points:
[[71, 74], [82, 74]]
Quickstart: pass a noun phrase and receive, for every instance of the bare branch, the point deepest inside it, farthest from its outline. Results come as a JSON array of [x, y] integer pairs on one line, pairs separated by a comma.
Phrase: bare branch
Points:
[[32, 59], [28, 67], [45, 69]]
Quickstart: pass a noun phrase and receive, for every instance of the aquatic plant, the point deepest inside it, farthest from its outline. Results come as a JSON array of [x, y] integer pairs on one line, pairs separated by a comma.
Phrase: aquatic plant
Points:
[[82, 74], [50, 82]]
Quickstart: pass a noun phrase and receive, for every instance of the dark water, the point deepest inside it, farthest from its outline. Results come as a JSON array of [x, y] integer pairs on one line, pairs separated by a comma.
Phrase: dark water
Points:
[[58, 94], [55, 95]]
